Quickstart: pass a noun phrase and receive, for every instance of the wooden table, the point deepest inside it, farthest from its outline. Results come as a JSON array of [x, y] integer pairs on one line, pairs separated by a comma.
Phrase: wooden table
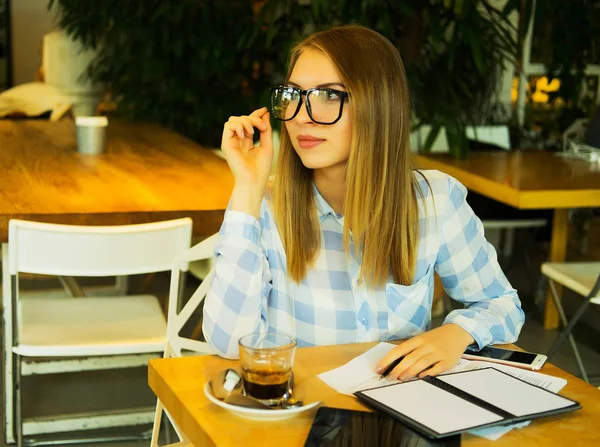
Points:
[[527, 180], [179, 384], [147, 173]]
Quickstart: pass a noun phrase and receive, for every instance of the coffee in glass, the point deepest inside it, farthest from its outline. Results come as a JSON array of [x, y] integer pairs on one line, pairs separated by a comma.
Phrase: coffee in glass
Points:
[[267, 360]]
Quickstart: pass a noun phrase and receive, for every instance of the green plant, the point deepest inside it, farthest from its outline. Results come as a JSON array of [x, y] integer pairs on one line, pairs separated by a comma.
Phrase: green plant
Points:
[[179, 63]]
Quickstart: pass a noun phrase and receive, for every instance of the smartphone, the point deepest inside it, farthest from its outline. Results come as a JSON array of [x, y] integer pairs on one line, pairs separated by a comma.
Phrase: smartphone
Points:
[[520, 359], [334, 427]]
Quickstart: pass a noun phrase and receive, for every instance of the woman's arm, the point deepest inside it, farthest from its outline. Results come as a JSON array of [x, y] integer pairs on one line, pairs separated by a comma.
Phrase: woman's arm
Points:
[[236, 302], [470, 273], [237, 299]]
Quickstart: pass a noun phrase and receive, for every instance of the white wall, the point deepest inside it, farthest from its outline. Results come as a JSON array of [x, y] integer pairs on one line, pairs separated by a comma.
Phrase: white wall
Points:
[[30, 21]]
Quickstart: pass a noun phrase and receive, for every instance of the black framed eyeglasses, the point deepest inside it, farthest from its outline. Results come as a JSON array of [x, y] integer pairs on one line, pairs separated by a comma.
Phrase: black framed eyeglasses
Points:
[[324, 105]]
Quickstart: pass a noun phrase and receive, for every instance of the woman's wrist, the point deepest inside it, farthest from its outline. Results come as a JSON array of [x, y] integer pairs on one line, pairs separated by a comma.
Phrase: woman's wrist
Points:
[[461, 335], [247, 199]]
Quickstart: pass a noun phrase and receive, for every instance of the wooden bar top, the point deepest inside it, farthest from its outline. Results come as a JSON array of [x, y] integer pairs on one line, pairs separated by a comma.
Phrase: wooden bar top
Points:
[[146, 173], [522, 179], [179, 384]]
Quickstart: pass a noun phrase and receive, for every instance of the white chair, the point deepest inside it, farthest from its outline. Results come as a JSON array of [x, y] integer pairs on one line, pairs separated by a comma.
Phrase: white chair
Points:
[[500, 233], [176, 344], [46, 335], [583, 278]]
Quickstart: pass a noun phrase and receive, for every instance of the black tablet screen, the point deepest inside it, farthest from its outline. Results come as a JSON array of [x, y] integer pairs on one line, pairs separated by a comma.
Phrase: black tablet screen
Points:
[[334, 427]]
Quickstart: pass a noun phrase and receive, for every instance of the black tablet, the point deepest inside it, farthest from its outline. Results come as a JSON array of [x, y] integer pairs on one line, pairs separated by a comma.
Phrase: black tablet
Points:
[[334, 427]]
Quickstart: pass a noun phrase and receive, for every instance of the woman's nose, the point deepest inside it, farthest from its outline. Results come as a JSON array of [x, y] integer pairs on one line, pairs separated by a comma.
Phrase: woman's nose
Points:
[[303, 116]]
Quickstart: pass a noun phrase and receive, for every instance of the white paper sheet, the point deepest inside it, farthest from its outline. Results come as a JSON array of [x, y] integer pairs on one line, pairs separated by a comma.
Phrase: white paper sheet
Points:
[[359, 374]]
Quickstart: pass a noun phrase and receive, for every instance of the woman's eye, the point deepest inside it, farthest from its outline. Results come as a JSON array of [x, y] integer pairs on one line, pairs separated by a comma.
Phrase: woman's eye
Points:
[[331, 95]]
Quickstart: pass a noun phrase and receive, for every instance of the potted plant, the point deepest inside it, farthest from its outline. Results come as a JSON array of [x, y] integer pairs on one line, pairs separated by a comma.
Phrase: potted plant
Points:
[[183, 64]]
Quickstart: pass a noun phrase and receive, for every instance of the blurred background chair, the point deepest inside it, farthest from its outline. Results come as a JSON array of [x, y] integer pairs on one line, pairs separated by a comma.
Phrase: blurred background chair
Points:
[[177, 318], [48, 335], [592, 133], [583, 130], [583, 278]]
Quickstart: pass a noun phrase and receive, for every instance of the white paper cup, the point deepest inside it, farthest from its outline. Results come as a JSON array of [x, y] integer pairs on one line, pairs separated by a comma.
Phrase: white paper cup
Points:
[[91, 134]]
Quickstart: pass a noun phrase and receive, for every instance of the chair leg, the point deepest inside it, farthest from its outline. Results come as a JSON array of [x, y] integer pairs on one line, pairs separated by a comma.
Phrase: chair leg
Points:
[[569, 327], [563, 319], [7, 354], [167, 430], [18, 401], [528, 246]]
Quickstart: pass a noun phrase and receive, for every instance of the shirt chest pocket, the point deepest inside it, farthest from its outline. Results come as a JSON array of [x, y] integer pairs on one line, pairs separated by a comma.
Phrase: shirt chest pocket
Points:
[[409, 307]]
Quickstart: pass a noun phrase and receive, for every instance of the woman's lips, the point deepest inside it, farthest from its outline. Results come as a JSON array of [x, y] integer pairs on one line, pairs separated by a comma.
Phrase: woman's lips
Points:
[[308, 141]]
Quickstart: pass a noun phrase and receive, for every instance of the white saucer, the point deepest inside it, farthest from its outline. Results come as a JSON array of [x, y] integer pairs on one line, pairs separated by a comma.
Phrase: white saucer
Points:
[[256, 413]]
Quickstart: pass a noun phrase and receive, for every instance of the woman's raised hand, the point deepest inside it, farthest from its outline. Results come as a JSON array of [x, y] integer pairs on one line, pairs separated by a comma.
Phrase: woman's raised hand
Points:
[[250, 164]]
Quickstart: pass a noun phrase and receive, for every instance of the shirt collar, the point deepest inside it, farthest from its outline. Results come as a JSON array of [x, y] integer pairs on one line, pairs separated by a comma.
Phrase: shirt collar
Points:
[[323, 208]]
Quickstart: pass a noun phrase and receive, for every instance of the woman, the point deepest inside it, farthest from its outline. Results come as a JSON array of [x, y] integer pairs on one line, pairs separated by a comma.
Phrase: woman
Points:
[[343, 246]]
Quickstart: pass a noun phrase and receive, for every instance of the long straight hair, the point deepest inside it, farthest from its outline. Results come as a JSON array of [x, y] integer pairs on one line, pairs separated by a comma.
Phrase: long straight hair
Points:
[[380, 207]]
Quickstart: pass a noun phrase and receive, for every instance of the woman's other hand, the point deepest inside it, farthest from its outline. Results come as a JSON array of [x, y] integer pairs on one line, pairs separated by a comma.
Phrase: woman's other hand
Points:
[[428, 354]]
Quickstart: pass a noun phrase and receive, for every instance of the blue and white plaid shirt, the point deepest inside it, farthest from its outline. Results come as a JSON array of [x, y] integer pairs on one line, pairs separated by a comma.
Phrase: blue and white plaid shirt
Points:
[[252, 292]]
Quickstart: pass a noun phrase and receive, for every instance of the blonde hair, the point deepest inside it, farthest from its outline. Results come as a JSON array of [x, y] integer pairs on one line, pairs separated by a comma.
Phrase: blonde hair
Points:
[[380, 205]]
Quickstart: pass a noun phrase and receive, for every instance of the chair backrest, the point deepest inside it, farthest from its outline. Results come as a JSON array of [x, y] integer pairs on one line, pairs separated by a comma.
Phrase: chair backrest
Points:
[[176, 319], [592, 134], [71, 250]]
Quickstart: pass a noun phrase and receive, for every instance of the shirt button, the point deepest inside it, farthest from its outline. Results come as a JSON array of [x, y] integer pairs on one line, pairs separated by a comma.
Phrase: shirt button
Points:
[[364, 321]]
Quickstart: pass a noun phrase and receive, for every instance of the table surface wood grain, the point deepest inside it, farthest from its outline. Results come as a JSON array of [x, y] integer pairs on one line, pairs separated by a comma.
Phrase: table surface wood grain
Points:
[[523, 179], [179, 384], [147, 173]]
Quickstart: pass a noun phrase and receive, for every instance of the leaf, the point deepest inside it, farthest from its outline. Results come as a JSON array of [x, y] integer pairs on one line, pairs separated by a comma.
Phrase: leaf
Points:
[[510, 6], [431, 137], [476, 49]]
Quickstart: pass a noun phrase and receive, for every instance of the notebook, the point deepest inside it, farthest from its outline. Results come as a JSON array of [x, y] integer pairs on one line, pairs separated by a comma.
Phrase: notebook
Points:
[[453, 403]]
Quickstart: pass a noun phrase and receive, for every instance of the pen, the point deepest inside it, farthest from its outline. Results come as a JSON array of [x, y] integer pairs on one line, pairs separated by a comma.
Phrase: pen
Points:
[[389, 368]]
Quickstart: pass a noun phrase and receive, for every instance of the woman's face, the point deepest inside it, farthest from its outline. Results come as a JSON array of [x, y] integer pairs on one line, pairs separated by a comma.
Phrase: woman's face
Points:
[[319, 146]]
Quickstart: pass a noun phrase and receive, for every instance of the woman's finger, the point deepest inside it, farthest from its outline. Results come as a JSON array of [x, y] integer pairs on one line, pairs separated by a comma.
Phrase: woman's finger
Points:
[[249, 123], [239, 129], [434, 370], [408, 360], [248, 127], [266, 137], [258, 113], [419, 366], [228, 130], [255, 122], [399, 351]]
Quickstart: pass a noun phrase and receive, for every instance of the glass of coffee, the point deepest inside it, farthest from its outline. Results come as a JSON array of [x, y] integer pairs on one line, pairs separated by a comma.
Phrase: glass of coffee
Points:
[[267, 359]]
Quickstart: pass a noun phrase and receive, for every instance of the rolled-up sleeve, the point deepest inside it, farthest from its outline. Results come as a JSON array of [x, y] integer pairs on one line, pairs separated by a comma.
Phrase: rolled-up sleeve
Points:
[[235, 304], [470, 273]]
